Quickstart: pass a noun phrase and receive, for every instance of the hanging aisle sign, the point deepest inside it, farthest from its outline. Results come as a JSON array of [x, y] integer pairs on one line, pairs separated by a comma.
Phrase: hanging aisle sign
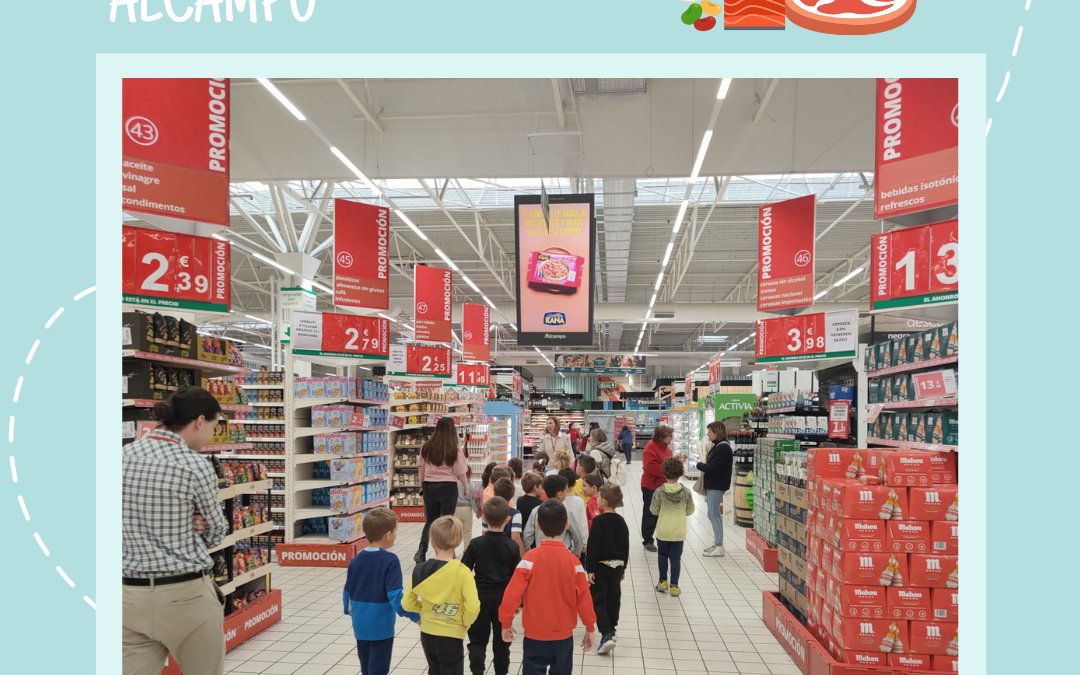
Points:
[[289, 299], [916, 155], [176, 271], [361, 255], [475, 332], [614, 364], [176, 148], [915, 266], [433, 294], [326, 334], [472, 374], [825, 335], [418, 361], [786, 254]]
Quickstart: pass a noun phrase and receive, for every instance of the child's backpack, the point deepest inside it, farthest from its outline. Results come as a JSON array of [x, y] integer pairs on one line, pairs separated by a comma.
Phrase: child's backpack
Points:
[[617, 471]]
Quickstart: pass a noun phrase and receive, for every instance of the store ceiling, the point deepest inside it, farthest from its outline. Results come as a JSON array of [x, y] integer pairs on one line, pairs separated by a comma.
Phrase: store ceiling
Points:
[[457, 151]]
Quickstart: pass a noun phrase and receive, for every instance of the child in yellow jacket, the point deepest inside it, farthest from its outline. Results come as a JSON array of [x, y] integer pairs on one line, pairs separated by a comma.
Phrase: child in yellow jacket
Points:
[[444, 592]]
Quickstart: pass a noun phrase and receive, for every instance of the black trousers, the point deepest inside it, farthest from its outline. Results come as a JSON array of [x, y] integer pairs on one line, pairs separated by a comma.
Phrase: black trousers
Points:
[[375, 656], [440, 499], [607, 598], [487, 624], [540, 655], [445, 655], [648, 520]]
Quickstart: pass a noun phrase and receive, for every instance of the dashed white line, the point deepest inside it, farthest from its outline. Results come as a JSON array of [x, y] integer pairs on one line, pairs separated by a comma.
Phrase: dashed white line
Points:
[[89, 601], [1028, 5], [14, 476], [18, 388], [32, 350], [41, 544], [989, 121], [66, 577], [23, 505], [1000, 93], [85, 293], [11, 430], [1016, 45], [61, 311]]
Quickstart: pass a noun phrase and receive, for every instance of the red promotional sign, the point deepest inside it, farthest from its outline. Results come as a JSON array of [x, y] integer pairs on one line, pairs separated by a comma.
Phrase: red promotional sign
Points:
[[786, 254], [177, 271], [915, 266], [176, 148], [935, 384], [475, 332], [517, 383], [715, 371], [839, 419], [361, 255], [433, 361], [473, 375], [916, 156], [434, 291], [823, 335], [353, 335]]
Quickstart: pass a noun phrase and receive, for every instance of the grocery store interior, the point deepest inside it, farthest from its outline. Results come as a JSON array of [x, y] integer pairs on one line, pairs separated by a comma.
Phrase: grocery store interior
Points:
[[700, 196]]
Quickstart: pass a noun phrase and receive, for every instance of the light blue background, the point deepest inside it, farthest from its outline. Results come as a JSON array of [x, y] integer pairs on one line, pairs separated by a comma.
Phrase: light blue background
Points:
[[49, 169]]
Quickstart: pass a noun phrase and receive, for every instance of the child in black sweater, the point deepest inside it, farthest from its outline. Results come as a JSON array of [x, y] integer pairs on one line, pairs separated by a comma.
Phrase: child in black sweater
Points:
[[606, 561], [492, 558]]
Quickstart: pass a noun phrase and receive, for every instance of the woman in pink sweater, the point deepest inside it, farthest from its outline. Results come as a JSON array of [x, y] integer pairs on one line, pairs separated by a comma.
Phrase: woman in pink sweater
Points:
[[442, 467]]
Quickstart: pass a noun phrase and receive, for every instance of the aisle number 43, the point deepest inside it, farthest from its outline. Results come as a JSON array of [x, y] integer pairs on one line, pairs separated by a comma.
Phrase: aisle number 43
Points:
[[915, 261]]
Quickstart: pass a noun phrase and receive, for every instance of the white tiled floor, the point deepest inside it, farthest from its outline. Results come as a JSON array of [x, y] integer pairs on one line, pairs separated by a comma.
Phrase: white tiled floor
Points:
[[713, 627]]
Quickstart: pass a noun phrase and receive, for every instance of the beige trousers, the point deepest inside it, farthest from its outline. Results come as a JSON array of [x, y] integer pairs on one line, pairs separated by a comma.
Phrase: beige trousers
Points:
[[185, 620], [465, 515]]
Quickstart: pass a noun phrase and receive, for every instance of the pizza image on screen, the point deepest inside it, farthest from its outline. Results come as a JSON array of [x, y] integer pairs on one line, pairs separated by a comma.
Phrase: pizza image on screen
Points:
[[850, 17]]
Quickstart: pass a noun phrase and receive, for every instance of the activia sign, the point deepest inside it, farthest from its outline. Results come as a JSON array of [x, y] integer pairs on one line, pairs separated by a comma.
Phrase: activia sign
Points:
[[733, 405]]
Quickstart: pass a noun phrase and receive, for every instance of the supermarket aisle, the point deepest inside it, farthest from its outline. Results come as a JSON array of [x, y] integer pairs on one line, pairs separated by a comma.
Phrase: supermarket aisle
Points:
[[714, 627]]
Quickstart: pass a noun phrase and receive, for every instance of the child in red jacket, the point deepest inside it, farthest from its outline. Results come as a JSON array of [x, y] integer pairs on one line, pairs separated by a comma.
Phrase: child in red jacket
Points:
[[551, 582]]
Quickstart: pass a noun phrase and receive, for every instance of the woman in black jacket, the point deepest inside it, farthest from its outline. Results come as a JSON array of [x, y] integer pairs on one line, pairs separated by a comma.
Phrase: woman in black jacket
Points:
[[717, 471]]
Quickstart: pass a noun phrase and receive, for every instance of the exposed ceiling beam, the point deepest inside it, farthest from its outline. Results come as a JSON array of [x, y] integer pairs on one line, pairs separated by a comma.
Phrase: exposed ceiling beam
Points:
[[764, 103], [370, 118], [558, 103]]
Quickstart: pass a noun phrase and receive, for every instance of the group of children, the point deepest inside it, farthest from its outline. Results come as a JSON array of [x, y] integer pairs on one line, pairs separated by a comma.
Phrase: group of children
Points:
[[560, 555]]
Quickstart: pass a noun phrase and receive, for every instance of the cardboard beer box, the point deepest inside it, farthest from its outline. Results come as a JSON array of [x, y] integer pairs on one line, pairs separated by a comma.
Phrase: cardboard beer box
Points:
[[934, 571], [932, 637], [852, 534], [946, 429], [864, 659], [908, 536], [939, 502], [946, 664], [900, 426], [945, 604], [872, 635], [870, 569], [912, 344], [863, 601], [949, 339], [822, 463], [943, 468], [916, 426], [909, 602], [911, 661], [945, 537], [855, 500], [900, 468]]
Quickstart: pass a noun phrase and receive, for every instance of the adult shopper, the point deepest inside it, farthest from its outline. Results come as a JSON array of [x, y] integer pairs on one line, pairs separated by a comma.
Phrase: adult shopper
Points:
[[626, 441], [442, 467], [552, 441], [575, 434], [171, 516], [652, 477], [717, 472], [602, 451]]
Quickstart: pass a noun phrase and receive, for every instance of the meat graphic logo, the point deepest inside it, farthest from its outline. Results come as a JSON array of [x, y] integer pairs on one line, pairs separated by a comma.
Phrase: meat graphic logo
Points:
[[835, 17]]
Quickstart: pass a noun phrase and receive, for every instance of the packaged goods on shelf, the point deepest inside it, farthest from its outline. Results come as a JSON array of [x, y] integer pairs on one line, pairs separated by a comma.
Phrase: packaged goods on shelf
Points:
[[154, 381], [765, 455], [345, 527], [407, 498], [357, 468], [350, 497], [350, 442], [261, 377], [233, 473], [407, 480], [340, 387]]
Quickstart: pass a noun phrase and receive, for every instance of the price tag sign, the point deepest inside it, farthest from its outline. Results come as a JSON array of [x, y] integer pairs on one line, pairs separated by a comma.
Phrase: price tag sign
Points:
[[935, 384], [873, 411], [349, 335], [822, 335], [839, 419], [418, 361], [473, 375], [915, 266], [175, 271]]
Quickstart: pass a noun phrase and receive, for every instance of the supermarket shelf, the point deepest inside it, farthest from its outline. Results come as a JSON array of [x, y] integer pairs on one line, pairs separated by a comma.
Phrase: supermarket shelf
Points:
[[244, 488], [277, 509], [304, 432], [312, 459], [309, 402], [408, 447], [226, 447], [924, 403], [918, 365], [149, 403], [268, 404], [268, 439], [908, 445], [208, 369], [304, 485], [276, 474], [406, 468], [325, 511], [785, 411], [323, 539], [239, 535], [239, 456], [261, 386], [256, 421], [244, 578], [409, 427]]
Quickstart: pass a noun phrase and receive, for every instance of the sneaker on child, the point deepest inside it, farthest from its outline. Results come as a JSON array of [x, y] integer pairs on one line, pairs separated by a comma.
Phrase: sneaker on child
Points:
[[662, 587], [717, 552]]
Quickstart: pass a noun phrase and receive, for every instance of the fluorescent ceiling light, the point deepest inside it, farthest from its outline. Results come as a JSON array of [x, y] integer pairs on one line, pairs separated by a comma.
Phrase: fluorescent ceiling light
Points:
[[258, 346], [725, 84], [667, 255], [273, 262], [389, 318], [659, 280], [648, 314], [471, 284], [489, 302], [410, 224], [357, 172], [712, 338], [682, 212], [513, 326], [562, 376], [653, 301], [494, 327], [281, 98], [821, 294], [232, 339], [445, 258], [701, 155], [257, 319], [322, 287], [538, 351], [850, 276], [219, 237]]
